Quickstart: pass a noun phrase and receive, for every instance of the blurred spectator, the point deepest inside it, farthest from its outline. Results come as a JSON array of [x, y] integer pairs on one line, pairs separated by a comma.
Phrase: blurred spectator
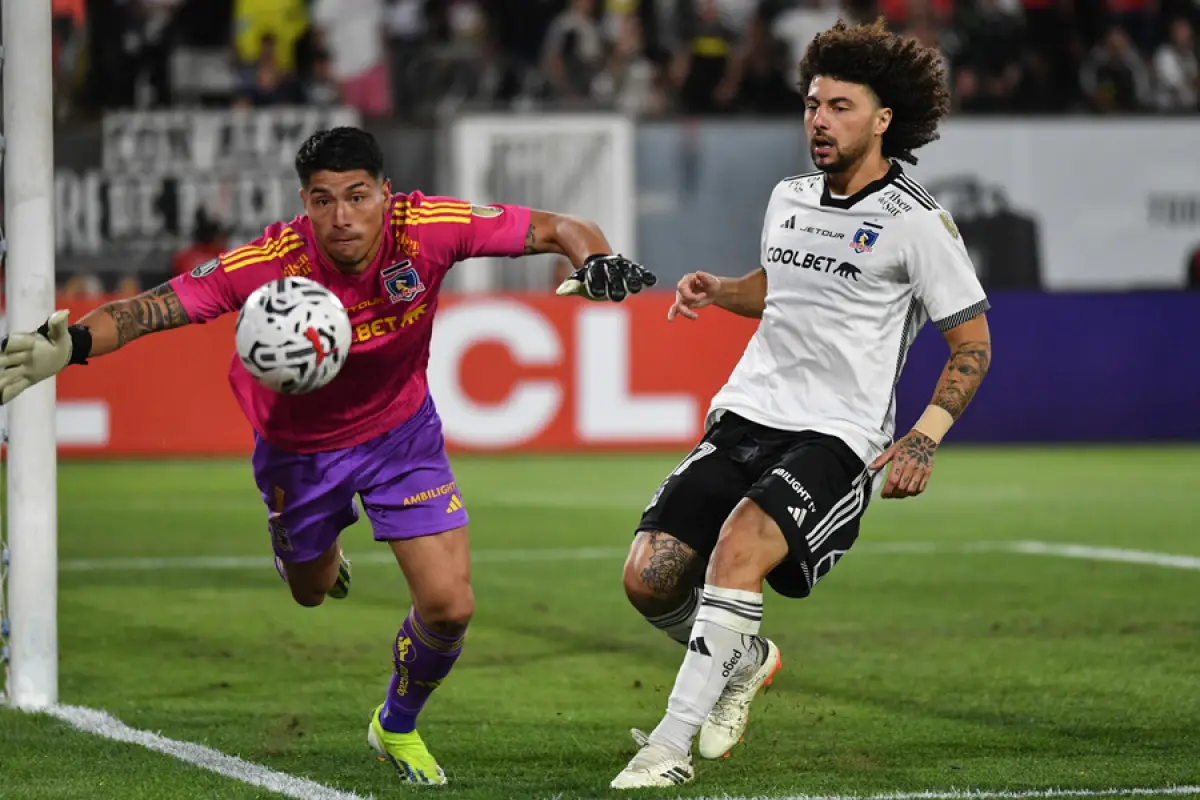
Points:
[[573, 54], [67, 27], [768, 79], [989, 66], [321, 89], [628, 80], [707, 70], [1136, 18], [352, 32], [1177, 71], [407, 28], [1114, 78], [269, 84], [284, 21]]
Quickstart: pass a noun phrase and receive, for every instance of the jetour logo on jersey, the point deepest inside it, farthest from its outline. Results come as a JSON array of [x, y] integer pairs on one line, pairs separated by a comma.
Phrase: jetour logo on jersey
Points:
[[402, 282]]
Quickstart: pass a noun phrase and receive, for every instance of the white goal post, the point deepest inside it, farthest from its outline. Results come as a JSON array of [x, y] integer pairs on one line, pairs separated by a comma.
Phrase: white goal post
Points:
[[29, 598]]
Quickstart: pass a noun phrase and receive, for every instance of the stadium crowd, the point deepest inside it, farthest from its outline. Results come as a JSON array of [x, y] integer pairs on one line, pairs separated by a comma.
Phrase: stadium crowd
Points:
[[411, 59]]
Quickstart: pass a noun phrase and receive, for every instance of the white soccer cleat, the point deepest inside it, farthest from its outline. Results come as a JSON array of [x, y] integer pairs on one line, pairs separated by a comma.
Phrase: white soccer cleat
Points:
[[727, 721], [654, 766]]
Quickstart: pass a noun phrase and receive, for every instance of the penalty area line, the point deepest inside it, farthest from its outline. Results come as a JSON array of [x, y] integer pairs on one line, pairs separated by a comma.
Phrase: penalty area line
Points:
[[984, 794], [100, 723]]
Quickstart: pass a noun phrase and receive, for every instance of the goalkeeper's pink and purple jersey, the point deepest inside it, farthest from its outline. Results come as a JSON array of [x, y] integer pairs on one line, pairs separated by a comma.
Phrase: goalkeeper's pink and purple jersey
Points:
[[391, 305]]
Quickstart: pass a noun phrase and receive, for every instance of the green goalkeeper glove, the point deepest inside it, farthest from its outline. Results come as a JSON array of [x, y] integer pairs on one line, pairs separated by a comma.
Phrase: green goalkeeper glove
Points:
[[29, 358]]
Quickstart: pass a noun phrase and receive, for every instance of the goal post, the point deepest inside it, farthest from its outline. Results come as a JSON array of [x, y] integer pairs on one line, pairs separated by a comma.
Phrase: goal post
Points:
[[31, 593]]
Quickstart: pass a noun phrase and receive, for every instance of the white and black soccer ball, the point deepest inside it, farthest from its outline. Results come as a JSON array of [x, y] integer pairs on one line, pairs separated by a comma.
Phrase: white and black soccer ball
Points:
[[293, 335]]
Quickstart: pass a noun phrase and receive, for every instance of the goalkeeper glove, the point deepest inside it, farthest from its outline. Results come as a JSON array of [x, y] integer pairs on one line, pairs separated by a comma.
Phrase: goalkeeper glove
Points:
[[607, 277], [29, 358]]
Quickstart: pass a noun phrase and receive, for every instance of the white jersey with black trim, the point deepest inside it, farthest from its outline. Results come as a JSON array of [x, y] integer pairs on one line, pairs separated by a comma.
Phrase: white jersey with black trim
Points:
[[850, 283]]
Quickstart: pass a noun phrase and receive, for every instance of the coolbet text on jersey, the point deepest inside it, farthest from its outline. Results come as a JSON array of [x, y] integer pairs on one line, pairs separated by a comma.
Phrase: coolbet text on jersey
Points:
[[851, 281], [391, 306]]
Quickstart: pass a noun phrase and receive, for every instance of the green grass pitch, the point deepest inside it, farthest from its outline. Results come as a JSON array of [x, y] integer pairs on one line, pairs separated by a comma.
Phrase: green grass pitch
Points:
[[905, 671]]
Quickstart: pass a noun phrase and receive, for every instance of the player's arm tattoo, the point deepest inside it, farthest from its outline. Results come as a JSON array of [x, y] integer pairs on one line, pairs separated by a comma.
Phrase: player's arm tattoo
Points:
[[158, 309], [966, 369], [563, 234], [531, 240], [672, 566]]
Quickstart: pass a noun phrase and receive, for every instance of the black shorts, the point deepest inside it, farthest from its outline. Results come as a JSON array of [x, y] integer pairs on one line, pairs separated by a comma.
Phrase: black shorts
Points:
[[813, 486]]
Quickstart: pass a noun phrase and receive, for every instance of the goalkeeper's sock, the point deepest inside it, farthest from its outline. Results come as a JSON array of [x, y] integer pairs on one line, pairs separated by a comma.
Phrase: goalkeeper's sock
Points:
[[422, 660], [722, 640], [678, 623]]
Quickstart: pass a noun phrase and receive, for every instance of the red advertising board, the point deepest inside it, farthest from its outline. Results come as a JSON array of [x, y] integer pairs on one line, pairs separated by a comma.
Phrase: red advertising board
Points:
[[508, 373]]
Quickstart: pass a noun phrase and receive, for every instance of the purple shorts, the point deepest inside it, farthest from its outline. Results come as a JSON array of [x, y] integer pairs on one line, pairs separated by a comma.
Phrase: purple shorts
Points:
[[403, 477]]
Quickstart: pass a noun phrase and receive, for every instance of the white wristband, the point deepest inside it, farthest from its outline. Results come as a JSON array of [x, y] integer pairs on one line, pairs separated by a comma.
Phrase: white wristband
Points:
[[934, 423]]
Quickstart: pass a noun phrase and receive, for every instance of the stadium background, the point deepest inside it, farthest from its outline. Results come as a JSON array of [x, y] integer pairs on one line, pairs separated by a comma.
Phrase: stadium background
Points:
[[1071, 163]]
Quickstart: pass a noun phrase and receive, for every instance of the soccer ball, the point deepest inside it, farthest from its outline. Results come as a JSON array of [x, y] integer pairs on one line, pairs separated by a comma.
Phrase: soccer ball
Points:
[[293, 335]]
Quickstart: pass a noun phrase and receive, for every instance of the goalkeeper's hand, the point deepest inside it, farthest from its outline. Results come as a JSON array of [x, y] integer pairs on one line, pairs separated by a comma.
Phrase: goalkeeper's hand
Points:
[[29, 358], [608, 277]]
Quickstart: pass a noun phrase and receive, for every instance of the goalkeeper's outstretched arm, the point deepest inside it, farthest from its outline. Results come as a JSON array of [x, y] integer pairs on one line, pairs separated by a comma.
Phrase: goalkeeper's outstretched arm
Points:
[[599, 273], [116, 324], [30, 358]]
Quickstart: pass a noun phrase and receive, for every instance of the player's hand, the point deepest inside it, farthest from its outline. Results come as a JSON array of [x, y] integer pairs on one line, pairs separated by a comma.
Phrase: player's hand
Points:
[[694, 291], [912, 464], [609, 277], [29, 358]]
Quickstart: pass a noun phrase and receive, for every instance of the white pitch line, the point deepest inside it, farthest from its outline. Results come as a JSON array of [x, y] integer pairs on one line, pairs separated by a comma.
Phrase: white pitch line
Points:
[[530, 555], [99, 723], [1118, 554], [984, 794]]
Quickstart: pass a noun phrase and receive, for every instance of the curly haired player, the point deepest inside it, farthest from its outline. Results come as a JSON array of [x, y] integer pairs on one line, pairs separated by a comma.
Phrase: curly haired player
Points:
[[856, 257]]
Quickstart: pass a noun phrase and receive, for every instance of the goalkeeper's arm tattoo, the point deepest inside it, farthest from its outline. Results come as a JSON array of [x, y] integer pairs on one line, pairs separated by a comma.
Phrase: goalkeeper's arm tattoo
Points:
[[115, 324], [531, 240], [964, 371]]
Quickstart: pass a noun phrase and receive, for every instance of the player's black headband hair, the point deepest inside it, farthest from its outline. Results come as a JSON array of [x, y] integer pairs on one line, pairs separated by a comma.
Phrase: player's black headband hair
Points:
[[906, 76], [339, 150]]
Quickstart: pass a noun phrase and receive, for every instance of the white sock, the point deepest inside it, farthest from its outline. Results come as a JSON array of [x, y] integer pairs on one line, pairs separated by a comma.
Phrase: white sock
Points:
[[678, 623], [722, 639]]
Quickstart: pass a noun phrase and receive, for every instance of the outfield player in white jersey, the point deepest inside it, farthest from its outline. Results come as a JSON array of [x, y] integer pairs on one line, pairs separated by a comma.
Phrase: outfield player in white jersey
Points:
[[856, 257]]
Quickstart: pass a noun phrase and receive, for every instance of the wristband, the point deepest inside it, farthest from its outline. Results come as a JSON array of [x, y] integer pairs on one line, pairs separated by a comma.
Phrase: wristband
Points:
[[934, 423], [81, 344]]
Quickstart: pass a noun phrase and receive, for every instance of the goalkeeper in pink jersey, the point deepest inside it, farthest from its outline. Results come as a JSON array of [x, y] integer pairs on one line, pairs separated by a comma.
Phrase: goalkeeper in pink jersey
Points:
[[374, 431]]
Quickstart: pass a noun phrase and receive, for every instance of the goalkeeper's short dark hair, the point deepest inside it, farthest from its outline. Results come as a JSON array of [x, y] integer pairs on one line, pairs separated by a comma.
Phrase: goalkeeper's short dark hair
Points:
[[905, 76], [339, 150]]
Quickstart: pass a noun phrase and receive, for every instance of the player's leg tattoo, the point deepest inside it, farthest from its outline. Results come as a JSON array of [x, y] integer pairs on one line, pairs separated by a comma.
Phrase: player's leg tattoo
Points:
[[662, 580], [724, 640]]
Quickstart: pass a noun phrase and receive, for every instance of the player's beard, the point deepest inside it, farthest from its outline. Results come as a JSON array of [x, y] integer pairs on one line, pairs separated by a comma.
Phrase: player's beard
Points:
[[843, 157]]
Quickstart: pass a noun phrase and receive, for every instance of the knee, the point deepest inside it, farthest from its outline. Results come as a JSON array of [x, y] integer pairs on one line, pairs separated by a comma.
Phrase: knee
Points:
[[641, 595], [660, 572], [447, 612]]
